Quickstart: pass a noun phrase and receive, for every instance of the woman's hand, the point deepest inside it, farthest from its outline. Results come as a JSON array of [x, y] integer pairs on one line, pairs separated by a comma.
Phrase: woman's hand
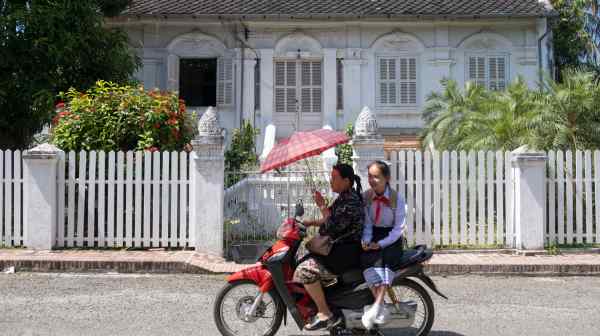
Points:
[[319, 200], [365, 245], [374, 246]]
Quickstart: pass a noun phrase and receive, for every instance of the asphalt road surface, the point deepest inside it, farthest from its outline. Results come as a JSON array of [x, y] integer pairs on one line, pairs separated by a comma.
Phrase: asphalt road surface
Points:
[[116, 304]]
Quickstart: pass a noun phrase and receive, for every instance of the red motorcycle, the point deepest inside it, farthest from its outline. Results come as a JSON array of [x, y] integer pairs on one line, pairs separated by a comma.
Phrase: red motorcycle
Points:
[[255, 300]]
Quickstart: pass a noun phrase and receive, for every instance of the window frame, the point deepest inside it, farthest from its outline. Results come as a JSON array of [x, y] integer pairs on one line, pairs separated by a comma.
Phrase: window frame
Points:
[[487, 56], [398, 81]]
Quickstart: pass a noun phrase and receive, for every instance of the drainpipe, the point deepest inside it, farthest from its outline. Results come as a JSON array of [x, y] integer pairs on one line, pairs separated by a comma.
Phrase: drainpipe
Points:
[[242, 87], [540, 54]]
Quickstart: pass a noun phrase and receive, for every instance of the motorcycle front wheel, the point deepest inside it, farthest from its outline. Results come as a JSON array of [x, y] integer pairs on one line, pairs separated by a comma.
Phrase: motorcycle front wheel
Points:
[[233, 303]]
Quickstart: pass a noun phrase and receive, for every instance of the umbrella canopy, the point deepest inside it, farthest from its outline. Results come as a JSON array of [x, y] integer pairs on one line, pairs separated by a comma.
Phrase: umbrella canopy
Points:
[[302, 145]]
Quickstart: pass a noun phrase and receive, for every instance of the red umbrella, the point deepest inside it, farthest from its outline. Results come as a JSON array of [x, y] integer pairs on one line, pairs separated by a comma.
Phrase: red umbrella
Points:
[[302, 145]]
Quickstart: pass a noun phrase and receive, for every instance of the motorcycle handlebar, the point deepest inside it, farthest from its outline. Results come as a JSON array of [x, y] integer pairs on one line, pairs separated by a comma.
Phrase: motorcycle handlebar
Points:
[[301, 226]]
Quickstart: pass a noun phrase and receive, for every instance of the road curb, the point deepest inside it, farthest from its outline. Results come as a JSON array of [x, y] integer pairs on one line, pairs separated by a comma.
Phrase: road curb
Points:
[[190, 267]]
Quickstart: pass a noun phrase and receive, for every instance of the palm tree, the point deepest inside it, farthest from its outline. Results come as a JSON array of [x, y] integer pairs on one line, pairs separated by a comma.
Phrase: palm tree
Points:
[[571, 117], [446, 111], [478, 119], [504, 122]]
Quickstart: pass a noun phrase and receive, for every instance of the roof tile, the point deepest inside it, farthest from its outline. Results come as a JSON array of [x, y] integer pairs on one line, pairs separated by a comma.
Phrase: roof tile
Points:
[[365, 8]]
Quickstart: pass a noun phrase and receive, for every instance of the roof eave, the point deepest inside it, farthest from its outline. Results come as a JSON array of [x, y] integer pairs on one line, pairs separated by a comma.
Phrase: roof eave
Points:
[[277, 17]]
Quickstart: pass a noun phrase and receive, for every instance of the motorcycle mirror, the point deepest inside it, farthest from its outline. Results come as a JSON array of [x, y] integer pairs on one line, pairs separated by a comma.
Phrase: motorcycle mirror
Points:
[[299, 209]]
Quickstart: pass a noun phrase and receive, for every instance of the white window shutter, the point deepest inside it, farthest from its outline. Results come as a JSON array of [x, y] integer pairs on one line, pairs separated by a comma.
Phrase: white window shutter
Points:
[[224, 81], [477, 70], [407, 83], [316, 87], [173, 72], [497, 73], [412, 77], [310, 90], [291, 82], [339, 74], [387, 81]]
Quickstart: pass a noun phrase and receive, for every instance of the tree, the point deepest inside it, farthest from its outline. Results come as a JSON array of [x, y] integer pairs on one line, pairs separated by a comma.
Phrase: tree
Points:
[[47, 47], [571, 118], [576, 35], [446, 111], [563, 115]]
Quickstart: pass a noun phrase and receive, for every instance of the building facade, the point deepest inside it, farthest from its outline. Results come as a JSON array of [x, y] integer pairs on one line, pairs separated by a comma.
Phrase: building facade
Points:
[[310, 64]]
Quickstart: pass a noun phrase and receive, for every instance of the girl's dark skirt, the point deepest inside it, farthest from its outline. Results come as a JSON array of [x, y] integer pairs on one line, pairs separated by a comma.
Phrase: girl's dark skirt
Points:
[[379, 265]]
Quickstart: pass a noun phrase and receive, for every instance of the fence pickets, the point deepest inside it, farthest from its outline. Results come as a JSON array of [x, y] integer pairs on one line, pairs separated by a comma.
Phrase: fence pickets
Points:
[[141, 199], [573, 190], [123, 199], [11, 199], [453, 198]]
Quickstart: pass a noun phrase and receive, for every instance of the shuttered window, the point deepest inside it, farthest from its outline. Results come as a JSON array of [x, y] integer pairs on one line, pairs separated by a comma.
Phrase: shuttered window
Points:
[[285, 86], [488, 71], [397, 81], [310, 101], [298, 86], [224, 81]]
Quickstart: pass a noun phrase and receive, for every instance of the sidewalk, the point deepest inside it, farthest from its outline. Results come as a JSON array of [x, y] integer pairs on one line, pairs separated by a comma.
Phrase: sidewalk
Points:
[[160, 261]]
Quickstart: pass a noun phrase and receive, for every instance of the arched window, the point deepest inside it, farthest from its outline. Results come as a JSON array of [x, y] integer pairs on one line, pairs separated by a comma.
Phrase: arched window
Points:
[[487, 60], [397, 70]]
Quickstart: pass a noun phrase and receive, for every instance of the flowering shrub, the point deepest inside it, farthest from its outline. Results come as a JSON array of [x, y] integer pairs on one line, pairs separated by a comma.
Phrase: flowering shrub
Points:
[[113, 117]]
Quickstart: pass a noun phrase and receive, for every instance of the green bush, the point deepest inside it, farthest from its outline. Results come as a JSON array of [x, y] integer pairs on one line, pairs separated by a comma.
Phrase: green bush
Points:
[[241, 154], [344, 152], [112, 117]]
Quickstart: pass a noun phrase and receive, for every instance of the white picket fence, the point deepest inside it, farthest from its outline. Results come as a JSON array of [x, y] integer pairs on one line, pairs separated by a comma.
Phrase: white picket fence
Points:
[[573, 188], [123, 199], [142, 199], [456, 199], [11, 198]]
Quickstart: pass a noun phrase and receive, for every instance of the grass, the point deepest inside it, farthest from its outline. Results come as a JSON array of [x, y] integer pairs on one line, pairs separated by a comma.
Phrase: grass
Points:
[[467, 247], [555, 249]]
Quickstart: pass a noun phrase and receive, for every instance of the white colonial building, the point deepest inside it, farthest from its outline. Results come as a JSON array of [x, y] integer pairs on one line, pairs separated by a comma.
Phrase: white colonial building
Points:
[[296, 64]]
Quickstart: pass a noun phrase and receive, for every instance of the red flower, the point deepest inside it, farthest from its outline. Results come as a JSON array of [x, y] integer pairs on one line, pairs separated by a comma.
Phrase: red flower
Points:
[[172, 122], [152, 149], [59, 116], [60, 105]]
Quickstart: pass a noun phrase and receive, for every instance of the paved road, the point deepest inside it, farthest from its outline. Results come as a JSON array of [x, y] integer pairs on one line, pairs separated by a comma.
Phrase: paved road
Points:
[[101, 304]]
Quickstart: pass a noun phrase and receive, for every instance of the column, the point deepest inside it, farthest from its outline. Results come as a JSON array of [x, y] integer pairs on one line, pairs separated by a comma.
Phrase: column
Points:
[[248, 106], [39, 197], [206, 185], [266, 95], [529, 173], [329, 87]]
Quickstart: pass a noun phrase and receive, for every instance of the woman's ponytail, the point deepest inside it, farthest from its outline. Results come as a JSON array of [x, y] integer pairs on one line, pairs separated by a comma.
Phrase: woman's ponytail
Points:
[[358, 187]]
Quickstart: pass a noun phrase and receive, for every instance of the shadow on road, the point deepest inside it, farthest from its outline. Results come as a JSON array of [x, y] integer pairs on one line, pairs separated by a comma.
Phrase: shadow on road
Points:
[[432, 333], [444, 333]]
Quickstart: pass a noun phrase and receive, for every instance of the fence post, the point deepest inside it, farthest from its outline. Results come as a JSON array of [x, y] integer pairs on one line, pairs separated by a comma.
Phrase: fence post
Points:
[[206, 188], [40, 206], [529, 198], [367, 144]]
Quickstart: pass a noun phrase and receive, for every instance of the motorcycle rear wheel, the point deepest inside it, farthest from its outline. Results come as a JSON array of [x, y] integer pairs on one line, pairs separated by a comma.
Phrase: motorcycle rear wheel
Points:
[[409, 290], [238, 296]]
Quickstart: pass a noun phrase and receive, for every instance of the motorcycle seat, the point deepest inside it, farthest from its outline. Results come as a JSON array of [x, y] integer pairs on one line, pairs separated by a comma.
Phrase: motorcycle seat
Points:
[[413, 256], [409, 257]]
